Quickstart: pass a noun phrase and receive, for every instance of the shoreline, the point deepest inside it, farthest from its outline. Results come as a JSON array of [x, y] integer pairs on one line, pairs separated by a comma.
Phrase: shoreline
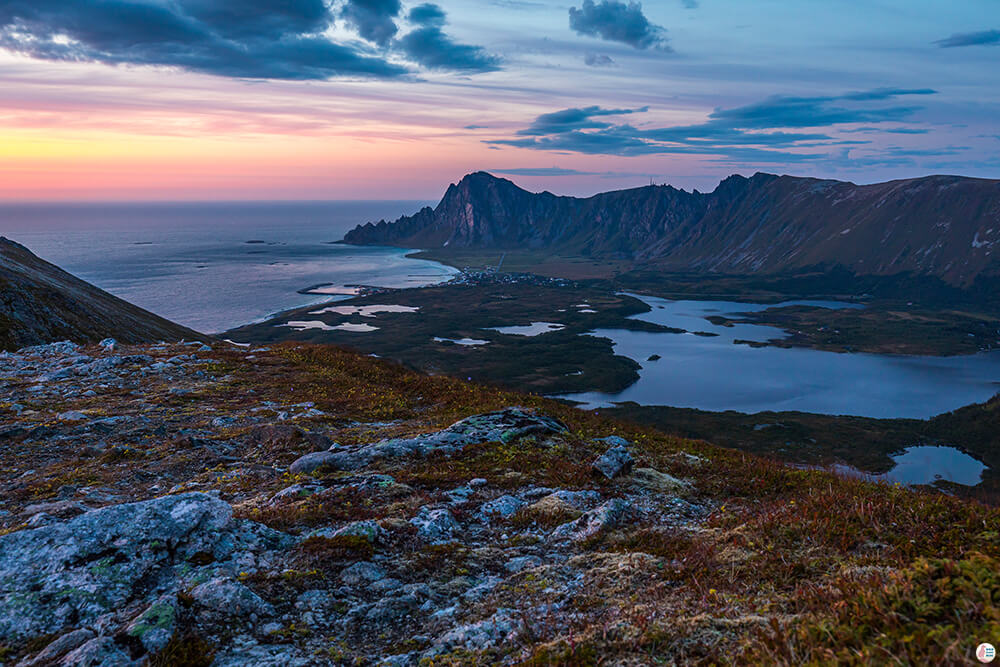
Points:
[[358, 290]]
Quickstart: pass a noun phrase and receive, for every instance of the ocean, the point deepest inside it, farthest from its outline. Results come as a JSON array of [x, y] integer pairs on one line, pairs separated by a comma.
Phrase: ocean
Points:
[[215, 266]]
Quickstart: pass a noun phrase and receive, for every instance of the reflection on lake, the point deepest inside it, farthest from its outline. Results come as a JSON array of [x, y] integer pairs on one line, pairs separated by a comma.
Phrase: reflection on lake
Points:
[[365, 311], [926, 465], [533, 329], [713, 373], [690, 315], [323, 326], [470, 342]]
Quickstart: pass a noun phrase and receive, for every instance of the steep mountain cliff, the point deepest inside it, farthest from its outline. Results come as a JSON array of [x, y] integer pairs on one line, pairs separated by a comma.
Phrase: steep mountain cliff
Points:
[[942, 226], [41, 303]]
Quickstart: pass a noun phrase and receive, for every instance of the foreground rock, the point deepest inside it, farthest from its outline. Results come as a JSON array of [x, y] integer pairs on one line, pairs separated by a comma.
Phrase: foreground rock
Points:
[[86, 566], [134, 555], [591, 524], [501, 426], [616, 461]]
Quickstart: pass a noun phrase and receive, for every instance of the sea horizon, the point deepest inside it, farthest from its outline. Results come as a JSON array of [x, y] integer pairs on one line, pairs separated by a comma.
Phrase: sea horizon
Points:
[[192, 263]]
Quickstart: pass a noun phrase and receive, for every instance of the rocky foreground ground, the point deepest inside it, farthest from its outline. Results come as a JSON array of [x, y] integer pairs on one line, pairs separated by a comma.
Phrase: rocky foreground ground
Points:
[[183, 505]]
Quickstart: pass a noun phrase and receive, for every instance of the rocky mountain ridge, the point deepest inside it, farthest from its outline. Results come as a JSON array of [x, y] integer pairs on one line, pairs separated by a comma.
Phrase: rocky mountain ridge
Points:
[[40, 303], [942, 226]]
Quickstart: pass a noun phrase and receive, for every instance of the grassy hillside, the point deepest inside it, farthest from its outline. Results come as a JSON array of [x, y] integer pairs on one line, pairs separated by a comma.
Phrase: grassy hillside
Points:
[[41, 303], [771, 564]]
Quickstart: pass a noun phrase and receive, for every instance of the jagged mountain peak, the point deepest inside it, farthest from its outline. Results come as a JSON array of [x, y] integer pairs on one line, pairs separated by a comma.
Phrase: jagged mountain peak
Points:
[[943, 226]]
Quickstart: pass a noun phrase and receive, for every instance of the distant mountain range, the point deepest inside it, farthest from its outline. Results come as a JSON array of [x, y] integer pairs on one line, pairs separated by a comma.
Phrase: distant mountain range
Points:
[[41, 303], [942, 226]]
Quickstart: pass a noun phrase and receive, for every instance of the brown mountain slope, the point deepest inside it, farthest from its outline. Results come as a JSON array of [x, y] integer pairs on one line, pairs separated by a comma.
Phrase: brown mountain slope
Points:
[[41, 303], [942, 226]]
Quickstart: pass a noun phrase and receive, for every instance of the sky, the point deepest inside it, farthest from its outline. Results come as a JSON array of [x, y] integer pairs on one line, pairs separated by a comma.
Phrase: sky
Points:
[[388, 99]]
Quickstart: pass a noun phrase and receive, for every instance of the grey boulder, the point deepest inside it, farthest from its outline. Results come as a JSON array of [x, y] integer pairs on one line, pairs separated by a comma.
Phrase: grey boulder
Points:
[[435, 526], [501, 507], [226, 596], [500, 426], [614, 462], [605, 517], [99, 652], [502, 628], [310, 463], [60, 647]]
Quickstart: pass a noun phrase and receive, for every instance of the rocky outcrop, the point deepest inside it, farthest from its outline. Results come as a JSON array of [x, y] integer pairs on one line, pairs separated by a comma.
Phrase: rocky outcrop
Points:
[[41, 303], [942, 226], [107, 558], [501, 426], [148, 516], [438, 547]]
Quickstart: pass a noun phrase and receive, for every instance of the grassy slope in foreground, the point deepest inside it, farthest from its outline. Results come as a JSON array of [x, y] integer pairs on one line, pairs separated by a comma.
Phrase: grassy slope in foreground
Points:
[[787, 567]]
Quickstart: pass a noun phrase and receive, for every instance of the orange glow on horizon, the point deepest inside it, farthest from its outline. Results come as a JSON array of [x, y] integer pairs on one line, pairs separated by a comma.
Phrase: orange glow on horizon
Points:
[[68, 165], [100, 165]]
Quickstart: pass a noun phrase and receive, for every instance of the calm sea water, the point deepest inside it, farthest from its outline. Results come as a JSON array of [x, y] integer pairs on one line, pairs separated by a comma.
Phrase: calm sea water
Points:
[[215, 266]]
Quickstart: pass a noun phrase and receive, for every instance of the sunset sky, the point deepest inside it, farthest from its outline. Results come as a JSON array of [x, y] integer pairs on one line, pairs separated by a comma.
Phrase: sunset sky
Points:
[[382, 99]]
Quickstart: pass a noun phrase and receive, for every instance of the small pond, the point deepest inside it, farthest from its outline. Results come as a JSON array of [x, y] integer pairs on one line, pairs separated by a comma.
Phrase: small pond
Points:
[[323, 326], [470, 342], [926, 464], [533, 329], [365, 311]]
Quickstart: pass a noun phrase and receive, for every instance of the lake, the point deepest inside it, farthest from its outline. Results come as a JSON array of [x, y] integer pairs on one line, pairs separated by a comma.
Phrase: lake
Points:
[[926, 464], [713, 373]]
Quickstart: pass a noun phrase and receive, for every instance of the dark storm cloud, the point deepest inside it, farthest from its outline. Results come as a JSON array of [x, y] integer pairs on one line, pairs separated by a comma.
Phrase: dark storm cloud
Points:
[[574, 119], [781, 111], [428, 14], [982, 38], [270, 39], [373, 19], [258, 38], [431, 47], [617, 22], [253, 18], [750, 132]]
